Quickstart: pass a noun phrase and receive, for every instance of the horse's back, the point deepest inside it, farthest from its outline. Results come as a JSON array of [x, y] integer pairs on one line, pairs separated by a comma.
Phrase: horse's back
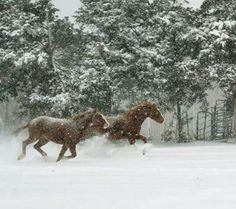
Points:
[[48, 121], [50, 127], [112, 119]]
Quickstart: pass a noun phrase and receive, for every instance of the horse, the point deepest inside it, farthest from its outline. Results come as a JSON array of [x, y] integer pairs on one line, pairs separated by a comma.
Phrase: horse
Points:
[[67, 132], [128, 124]]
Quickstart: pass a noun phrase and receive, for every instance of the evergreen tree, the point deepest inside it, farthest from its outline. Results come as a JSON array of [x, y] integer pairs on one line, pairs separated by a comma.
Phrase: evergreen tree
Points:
[[120, 51], [69, 50], [219, 50], [27, 55], [182, 79], [7, 54]]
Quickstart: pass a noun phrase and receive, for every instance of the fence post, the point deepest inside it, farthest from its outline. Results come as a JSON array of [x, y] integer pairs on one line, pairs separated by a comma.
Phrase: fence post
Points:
[[197, 127], [204, 130], [215, 122], [212, 122], [187, 125], [224, 124]]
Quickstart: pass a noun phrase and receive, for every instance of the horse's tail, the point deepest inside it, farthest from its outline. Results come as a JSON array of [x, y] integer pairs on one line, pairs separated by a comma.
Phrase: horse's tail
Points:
[[17, 131]]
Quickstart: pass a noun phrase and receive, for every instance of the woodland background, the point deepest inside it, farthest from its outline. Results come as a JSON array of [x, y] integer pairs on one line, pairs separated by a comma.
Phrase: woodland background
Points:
[[115, 54]]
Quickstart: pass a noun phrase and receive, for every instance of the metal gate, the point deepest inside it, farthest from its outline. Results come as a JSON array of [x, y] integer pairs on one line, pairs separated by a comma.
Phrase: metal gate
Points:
[[216, 122]]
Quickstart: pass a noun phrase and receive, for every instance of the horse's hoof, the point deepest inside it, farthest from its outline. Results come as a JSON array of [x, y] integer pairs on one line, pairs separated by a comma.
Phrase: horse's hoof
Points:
[[20, 157], [58, 159]]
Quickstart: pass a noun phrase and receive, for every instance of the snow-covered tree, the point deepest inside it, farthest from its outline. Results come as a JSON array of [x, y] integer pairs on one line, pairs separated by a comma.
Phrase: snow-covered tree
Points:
[[27, 55], [8, 34], [120, 51], [183, 81], [219, 50]]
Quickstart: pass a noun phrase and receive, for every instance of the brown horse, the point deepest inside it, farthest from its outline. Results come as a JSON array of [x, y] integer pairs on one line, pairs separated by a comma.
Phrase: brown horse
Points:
[[128, 125], [67, 132]]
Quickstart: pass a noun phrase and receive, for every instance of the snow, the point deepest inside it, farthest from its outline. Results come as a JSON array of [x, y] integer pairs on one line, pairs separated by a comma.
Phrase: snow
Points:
[[215, 33], [105, 175], [42, 58]]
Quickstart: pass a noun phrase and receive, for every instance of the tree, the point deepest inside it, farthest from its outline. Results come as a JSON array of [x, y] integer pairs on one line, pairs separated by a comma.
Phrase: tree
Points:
[[120, 51], [28, 55], [8, 34], [182, 79], [219, 50]]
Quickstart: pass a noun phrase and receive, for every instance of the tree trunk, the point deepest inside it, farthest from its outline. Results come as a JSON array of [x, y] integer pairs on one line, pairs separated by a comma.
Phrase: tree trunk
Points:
[[234, 114], [50, 46], [179, 124], [6, 114]]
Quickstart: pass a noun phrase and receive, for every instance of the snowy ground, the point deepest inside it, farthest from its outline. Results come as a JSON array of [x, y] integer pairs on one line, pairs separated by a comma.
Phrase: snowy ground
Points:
[[117, 176]]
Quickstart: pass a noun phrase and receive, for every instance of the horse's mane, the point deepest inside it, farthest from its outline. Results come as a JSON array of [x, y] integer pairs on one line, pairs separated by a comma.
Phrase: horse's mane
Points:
[[78, 116], [132, 112]]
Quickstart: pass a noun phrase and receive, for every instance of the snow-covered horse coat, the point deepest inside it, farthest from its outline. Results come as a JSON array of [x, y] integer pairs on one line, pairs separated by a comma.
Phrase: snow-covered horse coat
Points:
[[128, 124], [67, 132]]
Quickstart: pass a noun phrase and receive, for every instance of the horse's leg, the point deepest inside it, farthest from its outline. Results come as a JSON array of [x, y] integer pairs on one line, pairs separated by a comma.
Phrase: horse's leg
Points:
[[131, 140], [24, 145], [39, 144], [142, 138], [62, 152], [73, 151]]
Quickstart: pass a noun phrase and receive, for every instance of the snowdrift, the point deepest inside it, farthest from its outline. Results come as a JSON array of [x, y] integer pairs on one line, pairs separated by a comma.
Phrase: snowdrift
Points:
[[96, 147], [117, 175]]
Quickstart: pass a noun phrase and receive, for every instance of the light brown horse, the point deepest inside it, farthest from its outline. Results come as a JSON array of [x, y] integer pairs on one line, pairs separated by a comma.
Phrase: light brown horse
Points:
[[67, 132], [128, 125]]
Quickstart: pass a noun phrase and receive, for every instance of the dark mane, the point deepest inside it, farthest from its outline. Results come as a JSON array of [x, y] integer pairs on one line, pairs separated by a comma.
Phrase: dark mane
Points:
[[78, 116]]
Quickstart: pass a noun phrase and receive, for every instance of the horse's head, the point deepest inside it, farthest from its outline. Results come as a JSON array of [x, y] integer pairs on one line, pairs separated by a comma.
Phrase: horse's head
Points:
[[91, 119], [98, 120], [150, 110]]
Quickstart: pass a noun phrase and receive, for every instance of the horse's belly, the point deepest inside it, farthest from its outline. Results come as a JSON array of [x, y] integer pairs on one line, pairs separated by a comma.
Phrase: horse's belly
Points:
[[51, 137], [122, 134], [60, 136], [116, 135]]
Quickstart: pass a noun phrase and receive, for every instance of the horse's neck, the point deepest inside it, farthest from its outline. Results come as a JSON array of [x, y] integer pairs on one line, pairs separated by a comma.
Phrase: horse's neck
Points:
[[112, 119], [83, 124]]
